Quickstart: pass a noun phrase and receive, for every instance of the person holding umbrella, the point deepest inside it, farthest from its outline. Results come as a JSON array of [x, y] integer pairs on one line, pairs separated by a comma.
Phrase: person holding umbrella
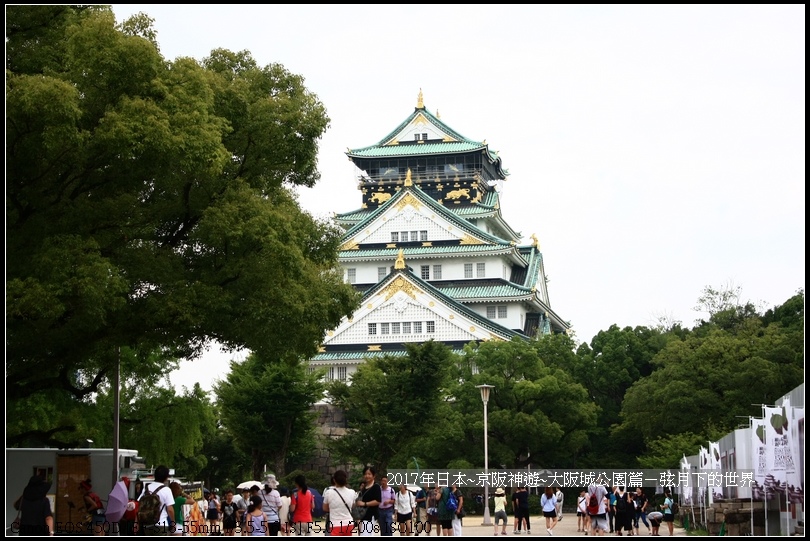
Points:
[[120, 509]]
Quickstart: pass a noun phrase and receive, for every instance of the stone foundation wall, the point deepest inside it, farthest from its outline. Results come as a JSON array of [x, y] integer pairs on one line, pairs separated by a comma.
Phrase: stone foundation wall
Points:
[[735, 513], [331, 425]]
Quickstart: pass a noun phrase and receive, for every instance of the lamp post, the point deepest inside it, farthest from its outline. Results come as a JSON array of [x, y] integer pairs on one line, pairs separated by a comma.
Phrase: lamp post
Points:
[[485, 389]]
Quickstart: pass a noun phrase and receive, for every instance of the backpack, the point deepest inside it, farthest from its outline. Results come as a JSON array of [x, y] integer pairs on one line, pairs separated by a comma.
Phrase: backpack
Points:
[[674, 506], [150, 506], [593, 505], [452, 502], [621, 502]]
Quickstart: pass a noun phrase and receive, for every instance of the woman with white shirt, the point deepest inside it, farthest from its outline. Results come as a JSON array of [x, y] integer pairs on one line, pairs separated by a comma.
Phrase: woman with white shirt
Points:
[[337, 501], [404, 505]]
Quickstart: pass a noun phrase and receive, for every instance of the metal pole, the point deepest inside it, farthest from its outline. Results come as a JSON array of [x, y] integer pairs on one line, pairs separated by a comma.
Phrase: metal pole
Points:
[[485, 389], [487, 521], [116, 416]]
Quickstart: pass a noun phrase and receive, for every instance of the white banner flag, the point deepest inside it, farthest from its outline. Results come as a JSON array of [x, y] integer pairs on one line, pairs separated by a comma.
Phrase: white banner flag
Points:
[[758, 458], [779, 456], [795, 478], [714, 461]]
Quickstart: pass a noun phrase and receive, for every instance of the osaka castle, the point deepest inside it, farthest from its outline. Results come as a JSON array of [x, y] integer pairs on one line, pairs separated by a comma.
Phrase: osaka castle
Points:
[[431, 252]]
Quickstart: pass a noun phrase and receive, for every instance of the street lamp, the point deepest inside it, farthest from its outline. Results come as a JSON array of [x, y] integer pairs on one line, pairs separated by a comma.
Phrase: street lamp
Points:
[[485, 389]]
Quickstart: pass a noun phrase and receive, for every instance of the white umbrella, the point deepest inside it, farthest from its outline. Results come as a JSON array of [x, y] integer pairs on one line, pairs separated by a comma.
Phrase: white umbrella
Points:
[[249, 484]]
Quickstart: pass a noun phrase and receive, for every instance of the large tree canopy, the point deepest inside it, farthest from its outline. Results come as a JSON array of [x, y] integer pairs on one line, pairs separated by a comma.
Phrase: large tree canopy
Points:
[[148, 202], [267, 408]]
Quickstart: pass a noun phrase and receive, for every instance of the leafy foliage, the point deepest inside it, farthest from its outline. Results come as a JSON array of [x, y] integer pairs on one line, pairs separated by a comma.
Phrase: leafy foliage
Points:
[[391, 402], [266, 407], [149, 207]]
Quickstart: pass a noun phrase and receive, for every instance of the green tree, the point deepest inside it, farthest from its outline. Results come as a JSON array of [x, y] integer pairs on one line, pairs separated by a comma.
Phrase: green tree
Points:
[[537, 413], [717, 373], [391, 403], [148, 203], [266, 406]]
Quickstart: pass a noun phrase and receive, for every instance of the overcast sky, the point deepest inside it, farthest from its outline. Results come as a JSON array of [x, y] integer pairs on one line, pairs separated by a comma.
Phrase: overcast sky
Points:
[[654, 150]]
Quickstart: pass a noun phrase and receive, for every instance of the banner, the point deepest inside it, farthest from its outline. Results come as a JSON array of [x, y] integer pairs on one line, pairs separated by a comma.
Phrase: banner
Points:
[[687, 491], [778, 450], [758, 458], [714, 461], [704, 462], [795, 478]]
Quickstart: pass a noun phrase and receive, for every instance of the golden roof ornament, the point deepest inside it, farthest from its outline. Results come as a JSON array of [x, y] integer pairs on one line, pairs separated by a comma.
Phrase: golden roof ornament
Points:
[[408, 181], [400, 264], [437, 114], [535, 242], [420, 104]]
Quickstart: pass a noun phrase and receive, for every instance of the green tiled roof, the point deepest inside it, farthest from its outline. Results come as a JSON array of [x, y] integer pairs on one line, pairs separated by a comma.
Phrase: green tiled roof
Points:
[[415, 149], [461, 145], [353, 355], [427, 250], [493, 291]]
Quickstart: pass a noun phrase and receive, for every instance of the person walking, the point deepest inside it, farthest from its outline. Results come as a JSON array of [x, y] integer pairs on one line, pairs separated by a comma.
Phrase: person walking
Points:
[[94, 507], [370, 497], [521, 502], [212, 514], [433, 510], [271, 505], [500, 510], [548, 502], [36, 517], [422, 524], [337, 502], [623, 508], [640, 501], [597, 509], [583, 521], [385, 515], [560, 497], [404, 508], [459, 514], [669, 516], [257, 520], [445, 515], [302, 505]]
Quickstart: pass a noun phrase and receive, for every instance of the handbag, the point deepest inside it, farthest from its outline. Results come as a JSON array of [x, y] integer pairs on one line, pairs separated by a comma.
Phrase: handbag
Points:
[[359, 513]]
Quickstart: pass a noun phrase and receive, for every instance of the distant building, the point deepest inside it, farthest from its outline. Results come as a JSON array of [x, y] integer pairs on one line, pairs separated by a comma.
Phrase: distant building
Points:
[[431, 252]]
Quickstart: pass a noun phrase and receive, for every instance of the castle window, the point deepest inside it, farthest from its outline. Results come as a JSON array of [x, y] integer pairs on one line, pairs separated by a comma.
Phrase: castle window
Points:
[[425, 272], [382, 272], [502, 312], [417, 327], [351, 276], [437, 272], [491, 312], [406, 327], [394, 328], [481, 270], [414, 236], [423, 236], [394, 236], [430, 327], [341, 373], [372, 328], [330, 373], [468, 270], [384, 328], [404, 236]]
